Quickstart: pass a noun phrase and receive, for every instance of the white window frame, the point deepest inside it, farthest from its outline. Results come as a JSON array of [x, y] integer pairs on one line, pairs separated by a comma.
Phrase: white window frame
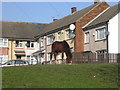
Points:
[[50, 39], [4, 40], [42, 42], [102, 51], [31, 59], [48, 56], [59, 35], [68, 33], [87, 37], [20, 42], [99, 35], [31, 42], [3, 58]]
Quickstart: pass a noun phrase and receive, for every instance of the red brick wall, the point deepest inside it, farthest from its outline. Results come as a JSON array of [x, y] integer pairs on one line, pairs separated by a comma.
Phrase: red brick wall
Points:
[[79, 39], [3, 51]]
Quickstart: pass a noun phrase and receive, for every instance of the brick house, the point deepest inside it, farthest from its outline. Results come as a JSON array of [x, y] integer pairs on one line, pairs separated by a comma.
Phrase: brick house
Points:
[[59, 30], [101, 35], [17, 40]]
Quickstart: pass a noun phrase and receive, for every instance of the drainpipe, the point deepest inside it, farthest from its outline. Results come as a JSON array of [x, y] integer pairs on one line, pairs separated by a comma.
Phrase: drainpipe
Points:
[[107, 34], [39, 55], [45, 48], [11, 49]]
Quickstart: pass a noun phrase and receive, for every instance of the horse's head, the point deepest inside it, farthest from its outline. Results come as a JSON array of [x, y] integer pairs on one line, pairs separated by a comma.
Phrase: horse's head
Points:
[[69, 61]]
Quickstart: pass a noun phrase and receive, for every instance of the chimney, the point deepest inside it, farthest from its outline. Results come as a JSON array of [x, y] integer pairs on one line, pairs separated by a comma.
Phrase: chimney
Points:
[[55, 19], [73, 9], [96, 1]]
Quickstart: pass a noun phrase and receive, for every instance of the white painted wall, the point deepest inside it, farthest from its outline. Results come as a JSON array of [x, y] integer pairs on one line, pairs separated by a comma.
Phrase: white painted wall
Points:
[[29, 51], [113, 36]]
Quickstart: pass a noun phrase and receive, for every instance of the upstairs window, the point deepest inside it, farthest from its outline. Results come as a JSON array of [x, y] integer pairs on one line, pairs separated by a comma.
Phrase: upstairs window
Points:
[[41, 42], [87, 37], [50, 39], [69, 34], [101, 34], [3, 42], [19, 44], [30, 44], [59, 35]]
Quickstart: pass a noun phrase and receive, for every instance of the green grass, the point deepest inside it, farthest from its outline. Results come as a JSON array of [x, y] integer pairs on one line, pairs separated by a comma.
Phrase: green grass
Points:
[[61, 76]]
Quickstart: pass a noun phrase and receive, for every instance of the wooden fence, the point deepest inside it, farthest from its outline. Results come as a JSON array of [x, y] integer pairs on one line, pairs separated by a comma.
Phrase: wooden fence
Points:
[[95, 58]]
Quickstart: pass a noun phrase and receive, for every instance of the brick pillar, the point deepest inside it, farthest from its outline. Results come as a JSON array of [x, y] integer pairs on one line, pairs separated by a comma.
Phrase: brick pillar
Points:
[[79, 39]]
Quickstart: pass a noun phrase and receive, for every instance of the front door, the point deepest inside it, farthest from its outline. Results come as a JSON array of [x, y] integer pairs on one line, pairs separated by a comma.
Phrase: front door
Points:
[[18, 57]]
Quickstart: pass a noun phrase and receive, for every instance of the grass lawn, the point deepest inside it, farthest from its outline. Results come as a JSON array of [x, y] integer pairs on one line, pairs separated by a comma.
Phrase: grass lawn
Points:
[[61, 76]]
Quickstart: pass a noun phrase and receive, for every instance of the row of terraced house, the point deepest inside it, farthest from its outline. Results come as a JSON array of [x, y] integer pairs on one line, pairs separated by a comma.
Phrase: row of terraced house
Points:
[[95, 29]]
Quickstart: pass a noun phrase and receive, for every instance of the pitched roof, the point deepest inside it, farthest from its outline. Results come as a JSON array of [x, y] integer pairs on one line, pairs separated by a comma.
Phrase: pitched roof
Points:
[[21, 30], [68, 19], [106, 16]]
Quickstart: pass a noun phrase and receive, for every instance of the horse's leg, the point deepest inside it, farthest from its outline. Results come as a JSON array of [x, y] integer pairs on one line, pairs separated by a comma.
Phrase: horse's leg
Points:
[[62, 56], [55, 57], [66, 57], [51, 56]]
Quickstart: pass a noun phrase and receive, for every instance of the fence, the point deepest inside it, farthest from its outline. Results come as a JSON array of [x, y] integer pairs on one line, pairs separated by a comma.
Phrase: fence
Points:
[[95, 58]]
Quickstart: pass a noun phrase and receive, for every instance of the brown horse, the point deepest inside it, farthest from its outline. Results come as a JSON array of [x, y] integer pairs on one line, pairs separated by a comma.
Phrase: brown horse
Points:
[[61, 47]]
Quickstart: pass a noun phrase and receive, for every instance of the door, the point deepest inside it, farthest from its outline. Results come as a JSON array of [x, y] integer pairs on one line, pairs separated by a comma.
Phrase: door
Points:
[[18, 57]]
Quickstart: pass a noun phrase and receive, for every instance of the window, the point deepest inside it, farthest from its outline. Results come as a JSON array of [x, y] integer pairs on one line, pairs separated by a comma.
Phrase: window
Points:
[[18, 57], [42, 44], [59, 35], [50, 39], [48, 57], [3, 42], [30, 59], [69, 34], [87, 37], [19, 44], [101, 34], [30, 44], [101, 51], [3, 58], [101, 55]]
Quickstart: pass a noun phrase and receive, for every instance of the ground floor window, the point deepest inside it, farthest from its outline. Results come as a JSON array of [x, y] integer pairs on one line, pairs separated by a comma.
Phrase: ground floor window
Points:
[[30, 44], [101, 55], [3, 58], [48, 57], [30, 59], [18, 57], [101, 51]]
